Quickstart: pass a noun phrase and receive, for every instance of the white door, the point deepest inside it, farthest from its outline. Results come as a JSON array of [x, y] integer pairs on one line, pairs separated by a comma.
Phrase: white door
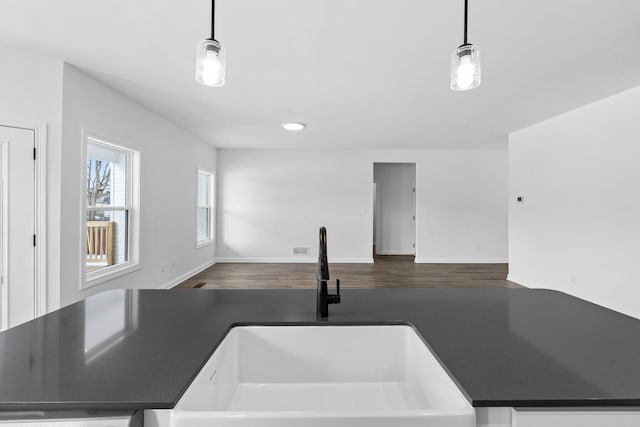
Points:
[[17, 232]]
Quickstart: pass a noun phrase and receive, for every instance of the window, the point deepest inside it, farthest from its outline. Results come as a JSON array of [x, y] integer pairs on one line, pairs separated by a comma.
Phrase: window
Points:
[[205, 208], [111, 200]]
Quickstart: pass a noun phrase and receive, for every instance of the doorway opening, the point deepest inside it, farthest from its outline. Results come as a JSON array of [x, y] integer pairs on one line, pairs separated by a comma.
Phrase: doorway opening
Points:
[[394, 210]]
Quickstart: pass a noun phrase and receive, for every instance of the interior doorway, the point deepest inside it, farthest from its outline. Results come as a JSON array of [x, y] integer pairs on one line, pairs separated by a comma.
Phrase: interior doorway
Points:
[[394, 211], [18, 298]]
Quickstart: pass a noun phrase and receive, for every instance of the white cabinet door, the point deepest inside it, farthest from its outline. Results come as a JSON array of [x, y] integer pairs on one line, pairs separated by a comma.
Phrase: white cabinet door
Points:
[[116, 421], [576, 418]]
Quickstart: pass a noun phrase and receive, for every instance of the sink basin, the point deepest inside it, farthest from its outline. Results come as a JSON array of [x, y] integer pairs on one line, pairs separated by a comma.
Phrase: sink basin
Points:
[[307, 376]]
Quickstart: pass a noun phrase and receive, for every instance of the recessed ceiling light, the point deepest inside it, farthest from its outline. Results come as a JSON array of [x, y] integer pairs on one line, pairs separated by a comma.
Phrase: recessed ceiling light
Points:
[[294, 126]]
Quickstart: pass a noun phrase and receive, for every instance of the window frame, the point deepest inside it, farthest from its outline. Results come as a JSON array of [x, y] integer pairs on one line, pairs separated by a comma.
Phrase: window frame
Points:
[[132, 206], [211, 238]]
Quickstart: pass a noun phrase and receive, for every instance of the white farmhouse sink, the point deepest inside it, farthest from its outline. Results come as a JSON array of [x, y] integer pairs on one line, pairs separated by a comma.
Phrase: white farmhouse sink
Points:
[[307, 376]]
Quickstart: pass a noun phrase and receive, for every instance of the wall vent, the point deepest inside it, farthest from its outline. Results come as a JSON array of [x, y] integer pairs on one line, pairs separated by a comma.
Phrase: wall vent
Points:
[[301, 251]]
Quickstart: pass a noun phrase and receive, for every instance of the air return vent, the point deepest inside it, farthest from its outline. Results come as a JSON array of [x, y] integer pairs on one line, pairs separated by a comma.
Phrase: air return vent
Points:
[[301, 251]]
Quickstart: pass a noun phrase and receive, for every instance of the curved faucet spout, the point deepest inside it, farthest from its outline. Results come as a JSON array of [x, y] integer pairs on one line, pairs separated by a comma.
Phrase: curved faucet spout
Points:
[[324, 298], [323, 263]]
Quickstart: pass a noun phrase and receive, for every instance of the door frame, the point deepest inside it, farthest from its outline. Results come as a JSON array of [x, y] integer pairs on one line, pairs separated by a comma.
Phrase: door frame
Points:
[[414, 208], [40, 216]]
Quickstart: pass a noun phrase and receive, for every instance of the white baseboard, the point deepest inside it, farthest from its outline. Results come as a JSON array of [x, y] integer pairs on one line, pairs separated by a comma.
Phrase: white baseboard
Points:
[[395, 252], [293, 260], [177, 280], [296, 260], [351, 261], [461, 261]]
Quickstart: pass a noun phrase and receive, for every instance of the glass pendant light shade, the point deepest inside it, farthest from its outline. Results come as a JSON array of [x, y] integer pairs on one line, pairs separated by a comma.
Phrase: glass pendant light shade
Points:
[[465, 67], [210, 63]]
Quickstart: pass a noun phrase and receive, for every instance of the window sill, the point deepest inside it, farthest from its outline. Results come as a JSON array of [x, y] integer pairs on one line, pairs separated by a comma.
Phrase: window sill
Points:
[[106, 275], [203, 243]]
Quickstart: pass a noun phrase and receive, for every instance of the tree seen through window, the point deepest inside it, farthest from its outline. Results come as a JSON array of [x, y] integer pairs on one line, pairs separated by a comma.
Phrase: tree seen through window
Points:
[[98, 186]]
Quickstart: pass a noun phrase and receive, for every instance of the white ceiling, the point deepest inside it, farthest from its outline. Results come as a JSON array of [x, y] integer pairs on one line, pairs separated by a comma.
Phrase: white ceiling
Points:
[[360, 73]]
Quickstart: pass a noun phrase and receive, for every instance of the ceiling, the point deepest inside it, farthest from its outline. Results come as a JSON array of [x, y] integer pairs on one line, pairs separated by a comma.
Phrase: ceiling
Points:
[[360, 73]]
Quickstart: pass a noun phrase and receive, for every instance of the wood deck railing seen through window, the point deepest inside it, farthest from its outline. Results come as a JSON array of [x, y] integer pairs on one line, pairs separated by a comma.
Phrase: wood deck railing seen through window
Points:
[[100, 237]]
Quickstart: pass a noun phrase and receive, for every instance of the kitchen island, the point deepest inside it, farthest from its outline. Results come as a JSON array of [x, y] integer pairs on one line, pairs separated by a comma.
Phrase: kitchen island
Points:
[[504, 348]]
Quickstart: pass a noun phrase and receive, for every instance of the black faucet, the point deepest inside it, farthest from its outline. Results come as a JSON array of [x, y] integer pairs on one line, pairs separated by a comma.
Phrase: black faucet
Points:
[[324, 297]]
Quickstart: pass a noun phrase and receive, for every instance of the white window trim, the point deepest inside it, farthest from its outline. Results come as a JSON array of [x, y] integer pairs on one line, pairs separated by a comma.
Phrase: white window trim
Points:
[[212, 208], [88, 280]]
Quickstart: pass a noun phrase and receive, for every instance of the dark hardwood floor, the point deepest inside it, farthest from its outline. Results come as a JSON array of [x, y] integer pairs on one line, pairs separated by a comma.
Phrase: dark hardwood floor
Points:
[[386, 272]]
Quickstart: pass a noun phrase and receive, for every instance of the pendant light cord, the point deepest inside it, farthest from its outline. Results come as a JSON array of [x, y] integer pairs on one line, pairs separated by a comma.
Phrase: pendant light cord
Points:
[[213, 19], [466, 7]]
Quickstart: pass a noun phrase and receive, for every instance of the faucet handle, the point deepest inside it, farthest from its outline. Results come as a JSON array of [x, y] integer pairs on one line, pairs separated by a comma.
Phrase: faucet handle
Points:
[[335, 298]]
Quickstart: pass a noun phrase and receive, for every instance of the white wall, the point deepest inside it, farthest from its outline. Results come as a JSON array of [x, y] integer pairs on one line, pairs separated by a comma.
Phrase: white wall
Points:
[[31, 93], [272, 200], [169, 160], [393, 217], [578, 230]]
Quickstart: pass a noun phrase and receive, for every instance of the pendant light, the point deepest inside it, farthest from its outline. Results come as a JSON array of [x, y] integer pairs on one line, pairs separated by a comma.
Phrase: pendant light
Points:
[[210, 57], [465, 62]]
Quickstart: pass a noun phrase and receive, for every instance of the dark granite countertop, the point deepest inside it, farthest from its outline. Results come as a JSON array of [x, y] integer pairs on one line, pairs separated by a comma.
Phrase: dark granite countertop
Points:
[[141, 349]]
